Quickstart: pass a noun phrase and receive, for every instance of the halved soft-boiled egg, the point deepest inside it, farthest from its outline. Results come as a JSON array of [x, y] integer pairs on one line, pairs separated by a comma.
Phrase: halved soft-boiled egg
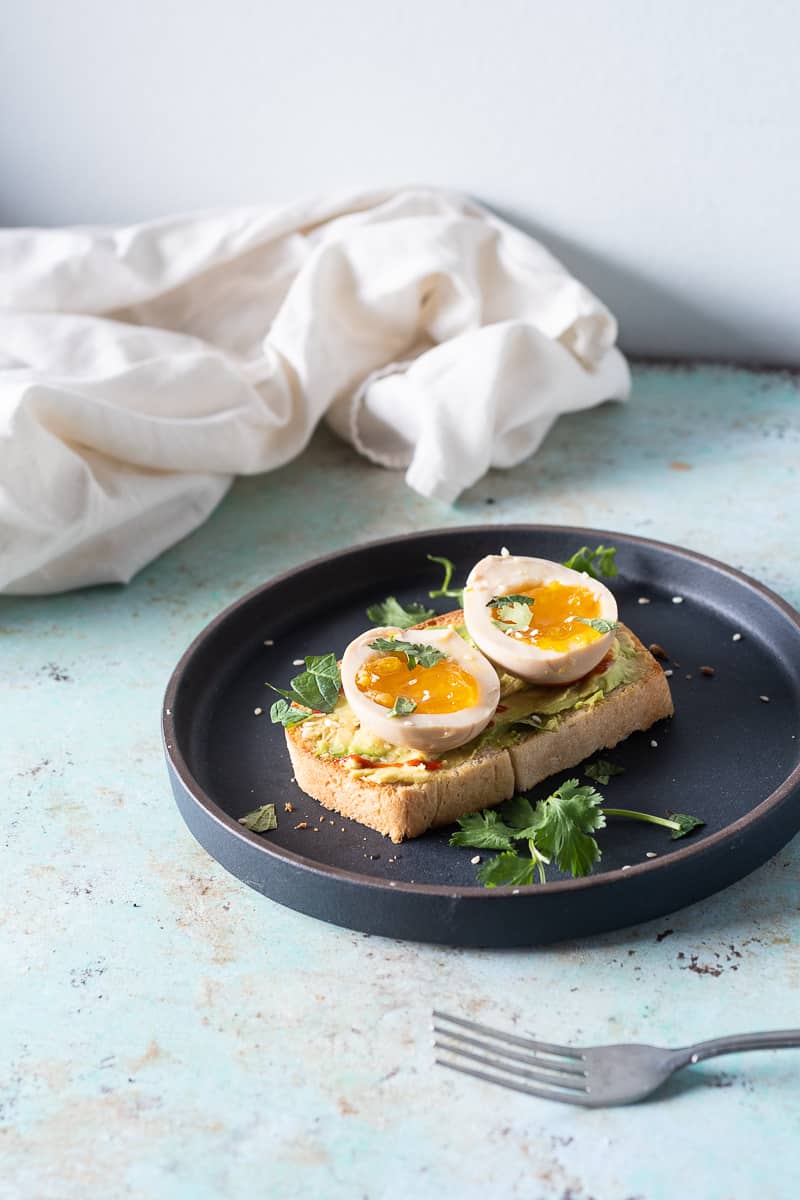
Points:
[[436, 696], [537, 619]]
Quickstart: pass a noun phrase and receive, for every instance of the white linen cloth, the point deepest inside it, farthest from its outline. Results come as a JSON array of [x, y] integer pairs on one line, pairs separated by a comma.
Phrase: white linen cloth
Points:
[[142, 368]]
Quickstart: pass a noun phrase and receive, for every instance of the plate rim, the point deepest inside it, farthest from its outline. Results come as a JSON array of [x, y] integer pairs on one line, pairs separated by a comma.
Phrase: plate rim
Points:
[[471, 892]]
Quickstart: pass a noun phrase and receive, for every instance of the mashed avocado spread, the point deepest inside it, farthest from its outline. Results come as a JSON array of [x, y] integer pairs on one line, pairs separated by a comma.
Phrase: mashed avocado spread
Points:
[[524, 709]]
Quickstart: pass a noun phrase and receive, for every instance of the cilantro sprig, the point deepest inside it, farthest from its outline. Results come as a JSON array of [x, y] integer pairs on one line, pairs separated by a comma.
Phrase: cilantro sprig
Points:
[[391, 612], [560, 829], [417, 653], [314, 690], [594, 562], [445, 590]]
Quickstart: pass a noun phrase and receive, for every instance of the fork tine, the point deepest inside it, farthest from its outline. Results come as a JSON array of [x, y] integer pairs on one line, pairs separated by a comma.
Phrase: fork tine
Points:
[[551, 1065], [512, 1038], [542, 1092], [573, 1082]]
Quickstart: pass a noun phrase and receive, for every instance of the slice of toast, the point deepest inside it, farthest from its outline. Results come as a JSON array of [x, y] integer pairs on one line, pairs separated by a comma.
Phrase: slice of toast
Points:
[[488, 774]]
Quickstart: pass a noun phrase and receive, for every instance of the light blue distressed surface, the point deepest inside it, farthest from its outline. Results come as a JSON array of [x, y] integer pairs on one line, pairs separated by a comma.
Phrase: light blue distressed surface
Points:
[[170, 1033]]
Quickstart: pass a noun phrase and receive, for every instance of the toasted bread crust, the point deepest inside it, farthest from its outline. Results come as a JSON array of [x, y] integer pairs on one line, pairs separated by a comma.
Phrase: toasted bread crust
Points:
[[404, 810]]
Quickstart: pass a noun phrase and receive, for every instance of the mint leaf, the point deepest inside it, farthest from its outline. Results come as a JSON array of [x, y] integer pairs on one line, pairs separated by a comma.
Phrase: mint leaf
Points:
[[316, 688], [685, 824], [516, 618], [502, 601], [260, 820], [484, 831], [564, 823], [417, 654], [283, 713], [602, 770], [594, 562], [507, 870], [598, 623], [445, 589], [391, 612], [402, 707]]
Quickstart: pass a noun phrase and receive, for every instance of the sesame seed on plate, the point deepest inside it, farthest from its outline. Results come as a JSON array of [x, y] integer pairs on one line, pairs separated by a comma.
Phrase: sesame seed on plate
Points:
[[475, 860], [627, 867], [737, 637], [668, 671], [505, 552], [677, 599], [643, 600], [764, 698], [257, 712], [651, 854], [297, 662], [653, 743]]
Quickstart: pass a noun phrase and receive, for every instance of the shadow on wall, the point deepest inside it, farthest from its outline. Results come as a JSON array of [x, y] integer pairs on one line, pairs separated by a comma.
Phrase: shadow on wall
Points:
[[648, 313]]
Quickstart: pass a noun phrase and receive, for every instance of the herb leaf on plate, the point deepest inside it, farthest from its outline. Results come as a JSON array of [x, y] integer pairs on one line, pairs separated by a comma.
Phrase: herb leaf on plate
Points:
[[314, 690], [602, 770], [594, 562], [564, 824], [445, 589], [484, 830], [508, 869], [260, 820], [391, 612]]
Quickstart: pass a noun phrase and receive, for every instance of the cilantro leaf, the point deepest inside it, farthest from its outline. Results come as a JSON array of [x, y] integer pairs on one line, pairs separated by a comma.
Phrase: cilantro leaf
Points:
[[417, 654], [516, 618], [391, 612], [584, 560], [685, 824], [483, 830], [564, 823], [518, 813], [445, 589], [285, 714], [315, 689], [260, 820], [502, 601], [602, 770], [507, 870], [402, 707], [598, 623]]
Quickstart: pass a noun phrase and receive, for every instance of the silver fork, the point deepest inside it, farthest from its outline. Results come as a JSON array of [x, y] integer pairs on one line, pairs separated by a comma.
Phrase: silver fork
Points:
[[592, 1076]]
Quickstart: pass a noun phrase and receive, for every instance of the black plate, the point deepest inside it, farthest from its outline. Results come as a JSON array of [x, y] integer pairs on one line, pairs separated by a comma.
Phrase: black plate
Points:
[[728, 756]]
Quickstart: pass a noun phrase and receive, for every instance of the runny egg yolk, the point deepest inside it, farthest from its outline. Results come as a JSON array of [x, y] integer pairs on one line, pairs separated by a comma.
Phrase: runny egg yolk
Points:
[[443, 688], [553, 624]]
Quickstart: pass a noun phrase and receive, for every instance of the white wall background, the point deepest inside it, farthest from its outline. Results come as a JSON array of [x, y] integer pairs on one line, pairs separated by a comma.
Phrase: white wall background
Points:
[[654, 145]]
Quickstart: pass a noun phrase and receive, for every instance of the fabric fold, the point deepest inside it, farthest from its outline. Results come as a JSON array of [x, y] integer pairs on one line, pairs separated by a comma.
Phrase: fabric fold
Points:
[[141, 369]]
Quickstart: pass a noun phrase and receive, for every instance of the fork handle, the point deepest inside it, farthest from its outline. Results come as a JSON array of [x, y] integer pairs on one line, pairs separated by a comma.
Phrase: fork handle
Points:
[[775, 1039]]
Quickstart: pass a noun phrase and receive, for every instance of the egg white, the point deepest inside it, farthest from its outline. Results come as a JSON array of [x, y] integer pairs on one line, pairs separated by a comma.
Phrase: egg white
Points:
[[426, 732], [503, 575]]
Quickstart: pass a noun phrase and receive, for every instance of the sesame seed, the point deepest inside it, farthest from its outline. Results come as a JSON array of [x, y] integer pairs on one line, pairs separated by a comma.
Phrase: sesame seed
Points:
[[653, 743], [627, 867], [668, 671], [269, 642], [737, 637], [651, 854], [643, 600], [765, 699], [505, 552], [297, 662], [475, 860], [257, 712], [677, 599], [392, 883], [515, 892]]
